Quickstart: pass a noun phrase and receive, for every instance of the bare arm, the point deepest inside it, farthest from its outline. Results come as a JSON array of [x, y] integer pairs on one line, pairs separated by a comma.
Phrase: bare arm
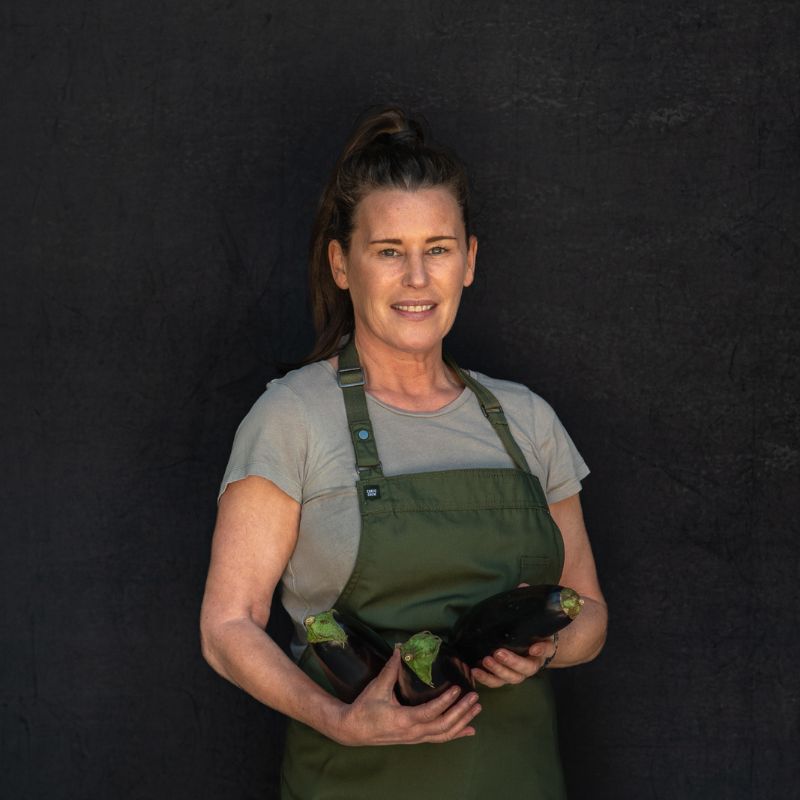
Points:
[[255, 535], [584, 638]]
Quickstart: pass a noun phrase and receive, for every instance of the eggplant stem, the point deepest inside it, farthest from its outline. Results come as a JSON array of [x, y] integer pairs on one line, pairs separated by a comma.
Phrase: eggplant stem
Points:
[[571, 602], [323, 629], [419, 652]]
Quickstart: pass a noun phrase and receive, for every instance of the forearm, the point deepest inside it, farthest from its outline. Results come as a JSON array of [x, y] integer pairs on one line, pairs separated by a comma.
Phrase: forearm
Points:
[[583, 639], [246, 656]]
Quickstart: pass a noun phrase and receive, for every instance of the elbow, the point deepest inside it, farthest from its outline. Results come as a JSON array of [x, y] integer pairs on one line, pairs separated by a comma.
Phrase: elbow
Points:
[[207, 645], [594, 634], [599, 640], [212, 629], [220, 635], [597, 649]]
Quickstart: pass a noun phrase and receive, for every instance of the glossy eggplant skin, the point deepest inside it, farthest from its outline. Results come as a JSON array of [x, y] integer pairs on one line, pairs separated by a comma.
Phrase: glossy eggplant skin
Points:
[[351, 665], [514, 620], [447, 670]]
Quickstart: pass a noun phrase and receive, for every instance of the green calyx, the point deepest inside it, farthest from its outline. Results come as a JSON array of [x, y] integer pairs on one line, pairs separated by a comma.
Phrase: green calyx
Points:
[[571, 603], [419, 653], [323, 628]]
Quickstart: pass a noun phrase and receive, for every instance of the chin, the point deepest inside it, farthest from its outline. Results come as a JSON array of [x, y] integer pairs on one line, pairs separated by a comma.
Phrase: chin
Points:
[[417, 344], [404, 338]]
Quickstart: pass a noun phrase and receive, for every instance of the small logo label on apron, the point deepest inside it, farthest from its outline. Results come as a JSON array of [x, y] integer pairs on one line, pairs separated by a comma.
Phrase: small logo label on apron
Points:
[[372, 492]]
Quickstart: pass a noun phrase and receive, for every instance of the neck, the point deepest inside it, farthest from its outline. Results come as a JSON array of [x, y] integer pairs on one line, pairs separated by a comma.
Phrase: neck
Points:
[[418, 381]]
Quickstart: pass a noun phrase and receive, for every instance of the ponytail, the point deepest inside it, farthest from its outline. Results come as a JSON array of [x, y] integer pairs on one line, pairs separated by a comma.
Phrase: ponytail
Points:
[[386, 149]]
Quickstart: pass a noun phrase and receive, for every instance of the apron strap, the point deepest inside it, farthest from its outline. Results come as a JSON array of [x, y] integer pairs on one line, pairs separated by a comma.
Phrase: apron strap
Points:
[[493, 411], [351, 381]]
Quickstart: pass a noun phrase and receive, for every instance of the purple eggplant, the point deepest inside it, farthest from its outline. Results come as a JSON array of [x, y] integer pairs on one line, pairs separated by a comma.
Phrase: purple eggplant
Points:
[[351, 654], [514, 620], [429, 668]]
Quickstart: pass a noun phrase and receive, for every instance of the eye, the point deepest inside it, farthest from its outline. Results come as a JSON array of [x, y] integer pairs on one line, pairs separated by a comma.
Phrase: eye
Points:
[[389, 252], [437, 250]]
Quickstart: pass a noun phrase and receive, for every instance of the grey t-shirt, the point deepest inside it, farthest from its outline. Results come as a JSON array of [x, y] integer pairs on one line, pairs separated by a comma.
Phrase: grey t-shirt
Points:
[[296, 436]]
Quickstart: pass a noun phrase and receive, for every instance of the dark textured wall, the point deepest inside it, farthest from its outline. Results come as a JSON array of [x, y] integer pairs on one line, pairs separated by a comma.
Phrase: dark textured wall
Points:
[[636, 190]]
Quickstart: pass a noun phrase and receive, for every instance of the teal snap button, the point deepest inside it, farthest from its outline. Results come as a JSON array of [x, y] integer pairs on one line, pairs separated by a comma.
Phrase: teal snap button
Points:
[[362, 434]]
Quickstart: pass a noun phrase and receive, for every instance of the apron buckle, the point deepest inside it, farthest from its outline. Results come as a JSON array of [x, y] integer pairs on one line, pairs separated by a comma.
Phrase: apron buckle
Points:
[[347, 377], [496, 410], [369, 467]]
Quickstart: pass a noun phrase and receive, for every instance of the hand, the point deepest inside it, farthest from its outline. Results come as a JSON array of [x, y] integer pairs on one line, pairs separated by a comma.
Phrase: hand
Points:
[[376, 717], [504, 667]]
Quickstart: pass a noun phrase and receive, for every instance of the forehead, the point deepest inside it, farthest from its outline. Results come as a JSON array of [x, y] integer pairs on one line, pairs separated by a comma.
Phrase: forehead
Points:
[[388, 213]]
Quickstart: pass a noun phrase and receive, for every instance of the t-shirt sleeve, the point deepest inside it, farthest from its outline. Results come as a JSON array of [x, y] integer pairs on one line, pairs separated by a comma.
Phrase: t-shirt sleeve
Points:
[[561, 463], [271, 441]]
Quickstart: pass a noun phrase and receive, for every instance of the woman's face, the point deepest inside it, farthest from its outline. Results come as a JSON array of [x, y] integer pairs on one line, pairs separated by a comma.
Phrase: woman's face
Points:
[[406, 267]]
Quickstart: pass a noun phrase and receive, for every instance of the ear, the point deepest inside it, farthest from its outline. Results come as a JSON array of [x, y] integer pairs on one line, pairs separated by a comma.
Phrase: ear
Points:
[[472, 252], [338, 264]]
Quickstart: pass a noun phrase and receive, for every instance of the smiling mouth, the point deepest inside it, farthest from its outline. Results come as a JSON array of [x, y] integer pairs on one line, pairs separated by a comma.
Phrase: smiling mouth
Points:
[[426, 307]]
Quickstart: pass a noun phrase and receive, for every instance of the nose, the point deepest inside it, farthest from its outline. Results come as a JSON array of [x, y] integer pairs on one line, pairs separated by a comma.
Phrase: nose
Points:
[[416, 274]]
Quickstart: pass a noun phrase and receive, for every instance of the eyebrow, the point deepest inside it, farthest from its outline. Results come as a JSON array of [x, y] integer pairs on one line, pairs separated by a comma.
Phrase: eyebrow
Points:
[[400, 241]]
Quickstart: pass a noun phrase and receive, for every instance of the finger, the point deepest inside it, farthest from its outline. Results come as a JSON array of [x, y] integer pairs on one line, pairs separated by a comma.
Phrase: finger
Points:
[[539, 649], [448, 737], [459, 714], [525, 665], [468, 731], [384, 681], [433, 709], [487, 679], [510, 670], [451, 724], [423, 728], [505, 674], [440, 739], [522, 585]]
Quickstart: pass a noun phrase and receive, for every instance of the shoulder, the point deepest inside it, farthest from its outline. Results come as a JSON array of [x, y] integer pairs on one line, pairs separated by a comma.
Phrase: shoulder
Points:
[[283, 434], [289, 405], [306, 380], [298, 388], [518, 401], [556, 460]]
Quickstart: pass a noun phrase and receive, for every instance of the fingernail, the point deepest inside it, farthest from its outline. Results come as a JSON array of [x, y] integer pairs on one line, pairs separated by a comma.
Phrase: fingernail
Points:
[[500, 656]]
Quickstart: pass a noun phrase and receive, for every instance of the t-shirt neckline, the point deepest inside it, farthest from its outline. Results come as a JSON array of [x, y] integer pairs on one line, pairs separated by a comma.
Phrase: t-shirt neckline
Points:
[[455, 403]]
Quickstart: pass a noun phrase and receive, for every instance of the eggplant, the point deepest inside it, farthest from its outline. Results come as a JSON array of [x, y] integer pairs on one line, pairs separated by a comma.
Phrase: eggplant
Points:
[[429, 668], [514, 620], [351, 654]]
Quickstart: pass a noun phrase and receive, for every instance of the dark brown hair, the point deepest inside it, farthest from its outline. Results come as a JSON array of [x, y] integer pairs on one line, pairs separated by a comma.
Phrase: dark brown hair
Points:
[[387, 148]]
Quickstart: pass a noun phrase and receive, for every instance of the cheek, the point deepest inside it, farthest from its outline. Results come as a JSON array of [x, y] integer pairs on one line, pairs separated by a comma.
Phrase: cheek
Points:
[[370, 288], [366, 300], [456, 284]]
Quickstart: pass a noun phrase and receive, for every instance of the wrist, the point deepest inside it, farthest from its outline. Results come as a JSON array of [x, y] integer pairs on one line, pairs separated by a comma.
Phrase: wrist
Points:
[[546, 663], [333, 719]]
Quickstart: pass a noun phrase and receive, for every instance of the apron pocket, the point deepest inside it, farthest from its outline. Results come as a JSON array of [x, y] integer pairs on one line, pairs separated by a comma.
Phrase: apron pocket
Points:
[[535, 569]]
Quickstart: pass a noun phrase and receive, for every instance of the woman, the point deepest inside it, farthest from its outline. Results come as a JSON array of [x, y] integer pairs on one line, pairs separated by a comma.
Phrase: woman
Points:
[[383, 480]]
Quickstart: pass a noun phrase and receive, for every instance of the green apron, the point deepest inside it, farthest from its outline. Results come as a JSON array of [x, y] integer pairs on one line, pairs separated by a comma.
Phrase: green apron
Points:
[[433, 544]]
